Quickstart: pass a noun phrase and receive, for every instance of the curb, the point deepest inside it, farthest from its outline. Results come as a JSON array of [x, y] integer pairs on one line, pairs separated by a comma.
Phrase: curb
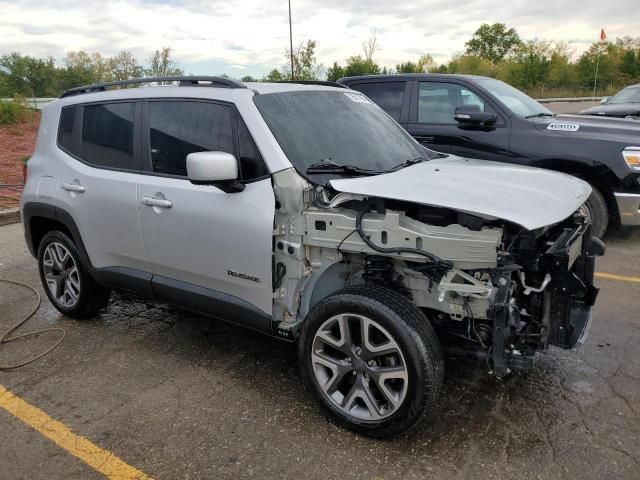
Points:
[[9, 216]]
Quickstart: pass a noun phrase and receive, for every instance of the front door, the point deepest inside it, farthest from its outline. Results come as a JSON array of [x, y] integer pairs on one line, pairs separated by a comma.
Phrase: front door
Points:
[[432, 122], [199, 235]]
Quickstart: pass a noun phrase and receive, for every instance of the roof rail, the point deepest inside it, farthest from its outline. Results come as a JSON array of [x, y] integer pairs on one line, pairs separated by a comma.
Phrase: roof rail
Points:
[[184, 81], [314, 82]]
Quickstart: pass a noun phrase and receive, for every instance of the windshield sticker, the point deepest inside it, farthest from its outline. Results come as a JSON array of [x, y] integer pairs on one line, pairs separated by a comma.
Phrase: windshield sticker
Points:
[[356, 97], [563, 127]]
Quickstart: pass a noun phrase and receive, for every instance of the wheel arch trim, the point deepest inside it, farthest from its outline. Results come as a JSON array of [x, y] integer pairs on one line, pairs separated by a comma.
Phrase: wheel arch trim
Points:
[[34, 210]]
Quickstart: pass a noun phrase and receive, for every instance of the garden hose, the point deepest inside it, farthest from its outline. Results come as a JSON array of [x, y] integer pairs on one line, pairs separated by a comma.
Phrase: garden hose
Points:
[[5, 338]]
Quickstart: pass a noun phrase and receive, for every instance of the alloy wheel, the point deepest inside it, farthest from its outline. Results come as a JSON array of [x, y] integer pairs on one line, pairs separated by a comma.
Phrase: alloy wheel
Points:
[[61, 274], [359, 367]]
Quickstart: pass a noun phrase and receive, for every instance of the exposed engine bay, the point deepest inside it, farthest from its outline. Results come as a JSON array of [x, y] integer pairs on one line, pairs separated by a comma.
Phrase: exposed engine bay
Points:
[[498, 289]]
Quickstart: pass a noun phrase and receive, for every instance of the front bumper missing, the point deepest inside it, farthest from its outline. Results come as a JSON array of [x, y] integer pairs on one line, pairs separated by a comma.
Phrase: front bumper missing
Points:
[[629, 208]]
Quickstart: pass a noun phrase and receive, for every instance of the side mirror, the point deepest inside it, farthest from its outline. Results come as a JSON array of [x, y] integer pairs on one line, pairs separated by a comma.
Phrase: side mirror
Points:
[[603, 100], [214, 168], [472, 115]]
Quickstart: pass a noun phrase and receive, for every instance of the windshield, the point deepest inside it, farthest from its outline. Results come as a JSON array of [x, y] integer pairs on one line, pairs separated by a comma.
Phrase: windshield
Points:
[[520, 104], [626, 95], [339, 128]]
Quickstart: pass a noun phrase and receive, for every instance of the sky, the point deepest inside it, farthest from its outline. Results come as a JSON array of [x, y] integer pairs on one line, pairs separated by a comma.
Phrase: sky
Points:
[[250, 37]]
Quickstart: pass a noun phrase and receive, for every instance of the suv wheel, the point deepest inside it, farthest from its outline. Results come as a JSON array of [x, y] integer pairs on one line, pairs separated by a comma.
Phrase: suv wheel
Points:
[[66, 280], [373, 360], [598, 212]]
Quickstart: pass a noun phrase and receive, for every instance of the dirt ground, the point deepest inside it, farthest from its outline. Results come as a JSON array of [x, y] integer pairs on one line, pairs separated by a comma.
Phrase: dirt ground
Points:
[[16, 142]]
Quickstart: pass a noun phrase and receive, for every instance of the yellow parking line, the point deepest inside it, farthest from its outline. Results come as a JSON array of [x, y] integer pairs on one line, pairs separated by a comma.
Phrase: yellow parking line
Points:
[[622, 278], [101, 460]]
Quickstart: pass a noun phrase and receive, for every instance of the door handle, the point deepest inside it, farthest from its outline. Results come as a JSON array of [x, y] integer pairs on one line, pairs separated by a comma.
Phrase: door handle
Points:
[[73, 187], [157, 202], [425, 138]]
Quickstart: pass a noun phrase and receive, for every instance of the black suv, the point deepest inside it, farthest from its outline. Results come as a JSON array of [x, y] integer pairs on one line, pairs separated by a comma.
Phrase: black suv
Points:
[[480, 117]]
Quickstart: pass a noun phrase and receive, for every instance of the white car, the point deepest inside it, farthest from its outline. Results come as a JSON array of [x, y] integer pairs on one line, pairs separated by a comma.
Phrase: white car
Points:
[[307, 213]]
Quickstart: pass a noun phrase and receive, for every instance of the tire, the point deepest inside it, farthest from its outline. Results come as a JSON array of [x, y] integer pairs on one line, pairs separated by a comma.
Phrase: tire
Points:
[[346, 379], [66, 279], [598, 212]]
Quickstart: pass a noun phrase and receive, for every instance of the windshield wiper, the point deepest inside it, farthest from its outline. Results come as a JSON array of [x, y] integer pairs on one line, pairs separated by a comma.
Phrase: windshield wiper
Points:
[[408, 163], [541, 114], [329, 166]]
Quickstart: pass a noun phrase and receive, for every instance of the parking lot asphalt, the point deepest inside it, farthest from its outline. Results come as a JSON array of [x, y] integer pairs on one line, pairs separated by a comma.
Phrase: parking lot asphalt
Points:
[[178, 395]]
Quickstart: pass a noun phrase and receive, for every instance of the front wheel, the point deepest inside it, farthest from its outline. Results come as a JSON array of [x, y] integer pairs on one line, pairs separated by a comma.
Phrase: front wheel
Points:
[[372, 359], [598, 212]]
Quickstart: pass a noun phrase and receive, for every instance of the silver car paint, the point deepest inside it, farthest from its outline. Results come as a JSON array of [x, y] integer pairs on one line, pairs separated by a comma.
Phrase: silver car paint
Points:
[[106, 213], [205, 232], [530, 197]]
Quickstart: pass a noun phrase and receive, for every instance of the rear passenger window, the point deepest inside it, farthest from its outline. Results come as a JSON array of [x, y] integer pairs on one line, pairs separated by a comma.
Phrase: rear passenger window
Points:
[[178, 128], [107, 135], [388, 95], [65, 130]]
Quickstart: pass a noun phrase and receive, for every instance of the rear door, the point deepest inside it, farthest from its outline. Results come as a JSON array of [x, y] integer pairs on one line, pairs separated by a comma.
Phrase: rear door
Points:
[[388, 94], [204, 237], [99, 170], [432, 123]]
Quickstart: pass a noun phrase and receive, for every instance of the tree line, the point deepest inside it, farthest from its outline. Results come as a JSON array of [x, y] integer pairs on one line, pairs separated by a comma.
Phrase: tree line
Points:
[[539, 67], [28, 76]]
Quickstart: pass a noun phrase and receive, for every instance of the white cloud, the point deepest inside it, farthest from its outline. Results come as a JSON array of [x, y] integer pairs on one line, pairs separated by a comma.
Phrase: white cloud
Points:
[[253, 34]]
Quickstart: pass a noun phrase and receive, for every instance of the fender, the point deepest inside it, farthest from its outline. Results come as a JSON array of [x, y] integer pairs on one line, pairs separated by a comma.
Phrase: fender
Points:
[[32, 210]]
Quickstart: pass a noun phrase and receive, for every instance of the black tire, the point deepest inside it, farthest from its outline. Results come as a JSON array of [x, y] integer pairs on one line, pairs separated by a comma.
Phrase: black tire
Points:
[[91, 298], [598, 211], [412, 332]]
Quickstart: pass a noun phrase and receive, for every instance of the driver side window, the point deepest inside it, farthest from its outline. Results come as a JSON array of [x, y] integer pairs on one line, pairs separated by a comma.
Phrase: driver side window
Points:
[[437, 101]]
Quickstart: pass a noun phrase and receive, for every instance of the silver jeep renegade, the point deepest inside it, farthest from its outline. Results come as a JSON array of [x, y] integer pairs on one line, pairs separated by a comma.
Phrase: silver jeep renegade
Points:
[[305, 212]]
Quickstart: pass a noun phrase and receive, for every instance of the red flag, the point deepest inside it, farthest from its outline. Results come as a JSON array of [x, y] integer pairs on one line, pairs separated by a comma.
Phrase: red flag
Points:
[[603, 36]]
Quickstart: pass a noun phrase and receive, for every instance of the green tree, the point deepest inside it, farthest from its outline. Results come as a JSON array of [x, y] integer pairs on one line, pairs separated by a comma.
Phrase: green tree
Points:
[[83, 68], [274, 76], [162, 65], [492, 42], [248, 78], [305, 66], [357, 66], [630, 65], [28, 76], [471, 65], [335, 72], [533, 61], [125, 66], [408, 67], [426, 64], [605, 56]]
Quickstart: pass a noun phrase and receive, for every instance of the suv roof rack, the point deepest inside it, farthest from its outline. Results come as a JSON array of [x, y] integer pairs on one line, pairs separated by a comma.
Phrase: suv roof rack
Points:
[[184, 81], [314, 82]]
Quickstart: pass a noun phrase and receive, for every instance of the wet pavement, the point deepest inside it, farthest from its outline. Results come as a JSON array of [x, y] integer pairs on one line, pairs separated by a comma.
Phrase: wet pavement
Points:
[[177, 395]]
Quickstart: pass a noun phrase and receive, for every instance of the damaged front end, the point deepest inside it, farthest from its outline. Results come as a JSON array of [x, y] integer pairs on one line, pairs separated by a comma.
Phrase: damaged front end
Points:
[[544, 293], [489, 286]]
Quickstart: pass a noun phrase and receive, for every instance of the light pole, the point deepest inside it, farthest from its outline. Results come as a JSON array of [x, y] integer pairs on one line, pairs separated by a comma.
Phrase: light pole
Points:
[[290, 41]]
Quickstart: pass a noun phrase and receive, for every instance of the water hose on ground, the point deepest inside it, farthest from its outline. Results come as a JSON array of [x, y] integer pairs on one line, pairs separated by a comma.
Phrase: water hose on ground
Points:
[[6, 338]]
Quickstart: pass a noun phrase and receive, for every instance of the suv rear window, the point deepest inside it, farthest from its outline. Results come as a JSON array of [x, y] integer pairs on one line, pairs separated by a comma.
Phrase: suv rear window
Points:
[[387, 95], [107, 135]]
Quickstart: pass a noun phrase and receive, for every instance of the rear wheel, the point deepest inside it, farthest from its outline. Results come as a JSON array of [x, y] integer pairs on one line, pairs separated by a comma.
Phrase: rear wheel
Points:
[[66, 279], [372, 359], [598, 212]]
